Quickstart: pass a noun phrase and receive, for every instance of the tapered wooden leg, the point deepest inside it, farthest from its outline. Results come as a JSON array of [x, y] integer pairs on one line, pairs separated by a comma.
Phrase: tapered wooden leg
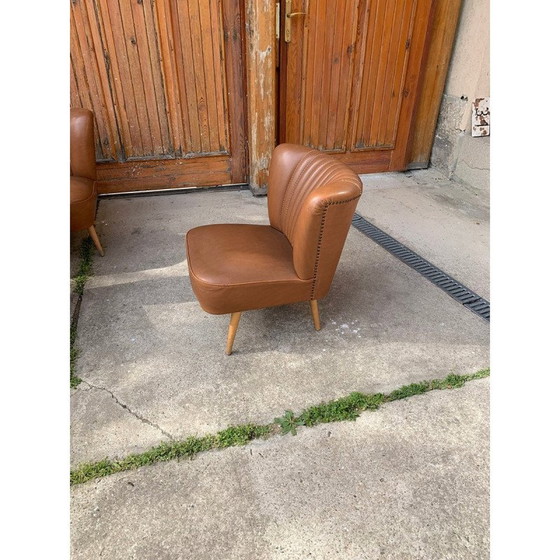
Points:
[[93, 235], [233, 323], [315, 313]]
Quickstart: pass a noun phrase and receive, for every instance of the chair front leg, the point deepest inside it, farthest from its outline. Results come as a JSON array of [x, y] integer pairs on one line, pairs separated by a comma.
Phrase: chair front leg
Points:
[[315, 313], [233, 324]]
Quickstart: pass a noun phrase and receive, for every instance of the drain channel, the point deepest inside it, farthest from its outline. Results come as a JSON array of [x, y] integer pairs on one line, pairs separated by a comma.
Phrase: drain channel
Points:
[[452, 287]]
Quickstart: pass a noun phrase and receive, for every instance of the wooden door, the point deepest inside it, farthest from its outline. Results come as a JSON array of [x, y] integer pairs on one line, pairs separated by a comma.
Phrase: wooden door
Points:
[[349, 76], [165, 81]]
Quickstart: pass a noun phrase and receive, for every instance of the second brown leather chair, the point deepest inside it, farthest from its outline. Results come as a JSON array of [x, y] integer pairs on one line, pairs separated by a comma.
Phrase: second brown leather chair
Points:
[[238, 267], [83, 174]]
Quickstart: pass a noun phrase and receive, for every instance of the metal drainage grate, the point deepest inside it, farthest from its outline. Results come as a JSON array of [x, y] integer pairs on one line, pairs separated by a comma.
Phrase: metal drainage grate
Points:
[[448, 284]]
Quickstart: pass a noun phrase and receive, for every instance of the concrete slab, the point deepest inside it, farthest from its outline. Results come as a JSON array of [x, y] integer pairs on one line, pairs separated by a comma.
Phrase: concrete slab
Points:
[[76, 239], [144, 339], [445, 221], [473, 160], [408, 481], [112, 423]]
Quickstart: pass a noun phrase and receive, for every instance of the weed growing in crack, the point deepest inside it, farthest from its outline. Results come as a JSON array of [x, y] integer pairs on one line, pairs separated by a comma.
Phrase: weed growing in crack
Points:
[[345, 408], [240, 435], [85, 270], [289, 423], [74, 379]]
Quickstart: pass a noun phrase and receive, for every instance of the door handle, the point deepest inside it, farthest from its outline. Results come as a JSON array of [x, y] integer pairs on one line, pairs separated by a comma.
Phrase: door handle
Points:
[[288, 20]]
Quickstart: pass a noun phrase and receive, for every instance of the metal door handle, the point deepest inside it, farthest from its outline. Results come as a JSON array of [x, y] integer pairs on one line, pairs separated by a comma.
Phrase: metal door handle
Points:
[[288, 20]]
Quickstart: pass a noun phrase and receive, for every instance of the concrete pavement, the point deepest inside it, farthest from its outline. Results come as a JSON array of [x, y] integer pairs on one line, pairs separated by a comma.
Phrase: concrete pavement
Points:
[[154, 369], [408, 481]]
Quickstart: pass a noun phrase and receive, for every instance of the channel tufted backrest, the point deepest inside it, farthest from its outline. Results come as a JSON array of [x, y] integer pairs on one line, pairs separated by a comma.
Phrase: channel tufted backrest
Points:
[[82, 146], [311, 199]]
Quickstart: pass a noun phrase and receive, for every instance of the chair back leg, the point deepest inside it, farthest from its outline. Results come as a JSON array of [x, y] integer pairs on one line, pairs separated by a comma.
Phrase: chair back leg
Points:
[[93, 235]]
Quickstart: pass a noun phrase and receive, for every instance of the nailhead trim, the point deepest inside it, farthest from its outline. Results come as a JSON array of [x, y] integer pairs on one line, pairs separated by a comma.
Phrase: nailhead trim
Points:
[[319, 244]]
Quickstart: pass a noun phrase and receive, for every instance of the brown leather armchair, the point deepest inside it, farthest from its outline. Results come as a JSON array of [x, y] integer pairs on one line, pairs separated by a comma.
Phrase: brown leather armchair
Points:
[[83, 175], [238, 267]]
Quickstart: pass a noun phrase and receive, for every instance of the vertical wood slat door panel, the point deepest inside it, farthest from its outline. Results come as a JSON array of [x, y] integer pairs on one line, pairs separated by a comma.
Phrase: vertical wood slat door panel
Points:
[[119, 74], [132, 64], [164, 21], [386, 61], [203, 81], [139, 91], [148, 54], [184, 40], [164, 79], [327, 60], [371, 50], [87, 86], [355, 89]]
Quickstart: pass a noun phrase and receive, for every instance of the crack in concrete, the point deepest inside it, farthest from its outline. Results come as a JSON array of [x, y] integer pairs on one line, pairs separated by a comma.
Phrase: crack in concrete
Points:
[[128, 409], [472, 166], [79, 389]]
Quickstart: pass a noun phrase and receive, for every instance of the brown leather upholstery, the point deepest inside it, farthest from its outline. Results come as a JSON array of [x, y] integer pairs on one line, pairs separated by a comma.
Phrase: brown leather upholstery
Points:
[[237, 267], [83, 175], [311, 201], [82, 147], [82, 203]]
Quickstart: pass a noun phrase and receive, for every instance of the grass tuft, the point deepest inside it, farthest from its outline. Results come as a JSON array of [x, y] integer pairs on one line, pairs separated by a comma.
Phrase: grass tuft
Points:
[[167, 451], [408, 391], [240, 435], [74, 379], [85, 269], [345, 408]]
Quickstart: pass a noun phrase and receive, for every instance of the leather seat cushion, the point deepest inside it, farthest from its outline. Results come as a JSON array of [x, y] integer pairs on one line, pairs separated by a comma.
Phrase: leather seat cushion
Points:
[[83, 198], [237, 267]]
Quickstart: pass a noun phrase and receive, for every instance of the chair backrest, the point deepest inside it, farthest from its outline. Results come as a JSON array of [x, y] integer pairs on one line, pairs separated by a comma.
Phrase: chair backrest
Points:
[[82, 146], [311, 199]]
